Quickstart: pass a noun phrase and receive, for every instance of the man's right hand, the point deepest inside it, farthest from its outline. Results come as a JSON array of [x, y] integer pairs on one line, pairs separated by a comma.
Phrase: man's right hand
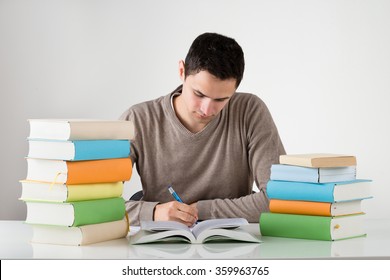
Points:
[[176, 211]]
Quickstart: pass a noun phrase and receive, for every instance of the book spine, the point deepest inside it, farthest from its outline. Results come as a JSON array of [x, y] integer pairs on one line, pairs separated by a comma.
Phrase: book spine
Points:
[[295, 226], [101, 149], [285, 190], [99, 171], [98, 211], [280, 172], [94, 191], [300, 207], [105, 231], [90, 130]]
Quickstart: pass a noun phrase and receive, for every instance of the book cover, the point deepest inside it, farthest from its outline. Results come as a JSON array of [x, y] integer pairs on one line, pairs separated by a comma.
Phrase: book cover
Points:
[[311, 227], [81, 235], [79, 149], [318, 160], [214, 230], [283, 172], [315, 208], [76, 213], [41, 191], [320, 192], [80, 129], [79, 172]]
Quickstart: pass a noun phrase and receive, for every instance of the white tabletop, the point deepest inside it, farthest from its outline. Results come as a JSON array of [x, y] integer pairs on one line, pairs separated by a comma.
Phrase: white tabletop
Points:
[[15, 244]]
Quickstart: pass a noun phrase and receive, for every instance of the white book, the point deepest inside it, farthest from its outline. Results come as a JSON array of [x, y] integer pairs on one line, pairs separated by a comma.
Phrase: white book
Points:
[[80, 129], [229, 229], [82, 235]]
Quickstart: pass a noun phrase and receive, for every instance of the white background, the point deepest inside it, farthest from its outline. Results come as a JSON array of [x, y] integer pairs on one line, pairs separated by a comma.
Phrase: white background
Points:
[[322, 67]]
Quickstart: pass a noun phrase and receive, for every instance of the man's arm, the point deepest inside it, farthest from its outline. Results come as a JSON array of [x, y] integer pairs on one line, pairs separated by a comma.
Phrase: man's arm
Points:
[[176, 211], [146, 210], [264, 148]]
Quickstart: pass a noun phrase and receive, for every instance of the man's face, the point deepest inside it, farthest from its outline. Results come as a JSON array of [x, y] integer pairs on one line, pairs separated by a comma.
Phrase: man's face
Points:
[[203, 97]]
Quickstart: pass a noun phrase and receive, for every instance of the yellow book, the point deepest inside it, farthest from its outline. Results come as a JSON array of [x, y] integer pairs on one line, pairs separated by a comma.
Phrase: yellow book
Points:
[[41, 191]]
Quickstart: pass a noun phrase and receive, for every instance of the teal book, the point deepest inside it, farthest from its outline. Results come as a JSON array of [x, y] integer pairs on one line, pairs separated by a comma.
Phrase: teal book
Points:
[[320, 192], [79, 149], [312, 227], [283, 172], [77, 213]]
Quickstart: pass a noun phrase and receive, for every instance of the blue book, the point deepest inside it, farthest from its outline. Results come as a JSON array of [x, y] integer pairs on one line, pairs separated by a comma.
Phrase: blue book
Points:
[[283, 172], [79, 150], [320, 192]]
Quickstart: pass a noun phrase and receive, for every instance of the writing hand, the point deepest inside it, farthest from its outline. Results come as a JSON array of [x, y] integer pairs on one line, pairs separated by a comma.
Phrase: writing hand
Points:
[[176, 211]]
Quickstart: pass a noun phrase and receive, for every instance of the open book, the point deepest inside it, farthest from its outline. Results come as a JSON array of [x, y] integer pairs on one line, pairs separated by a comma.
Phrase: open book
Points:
[[214, 230]]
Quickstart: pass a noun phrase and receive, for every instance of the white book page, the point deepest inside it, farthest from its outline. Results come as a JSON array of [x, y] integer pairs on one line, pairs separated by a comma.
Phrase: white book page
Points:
[[228, 223], [162, 225]]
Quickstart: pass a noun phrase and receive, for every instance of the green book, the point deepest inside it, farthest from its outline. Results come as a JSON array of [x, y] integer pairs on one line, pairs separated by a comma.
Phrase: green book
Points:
[[76, 213], [311, 227]]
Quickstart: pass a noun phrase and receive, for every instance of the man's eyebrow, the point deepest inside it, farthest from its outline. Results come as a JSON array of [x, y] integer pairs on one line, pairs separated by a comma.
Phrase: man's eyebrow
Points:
[[204, 95]]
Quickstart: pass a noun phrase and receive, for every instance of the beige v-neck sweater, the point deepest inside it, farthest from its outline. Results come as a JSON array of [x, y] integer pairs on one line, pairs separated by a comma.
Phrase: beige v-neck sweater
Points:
[[215, 167]]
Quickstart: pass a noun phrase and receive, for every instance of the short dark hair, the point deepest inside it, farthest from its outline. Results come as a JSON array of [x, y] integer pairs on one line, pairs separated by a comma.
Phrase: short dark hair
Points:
[[219, 55]]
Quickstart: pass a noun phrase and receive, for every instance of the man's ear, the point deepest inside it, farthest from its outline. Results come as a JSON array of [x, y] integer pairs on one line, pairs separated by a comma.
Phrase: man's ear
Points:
[[181, 70]]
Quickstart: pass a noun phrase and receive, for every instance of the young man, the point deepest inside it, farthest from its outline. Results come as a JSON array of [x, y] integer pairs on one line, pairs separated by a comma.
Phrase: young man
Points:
[[206, 140]]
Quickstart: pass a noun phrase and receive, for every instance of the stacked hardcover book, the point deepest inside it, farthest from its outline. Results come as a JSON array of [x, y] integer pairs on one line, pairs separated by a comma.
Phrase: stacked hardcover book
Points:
[[315, 196], [74, 184]]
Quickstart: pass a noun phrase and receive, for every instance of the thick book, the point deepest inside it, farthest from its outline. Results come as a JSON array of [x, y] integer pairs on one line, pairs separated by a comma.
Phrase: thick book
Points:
[[76, 213], [315, 208], [312, 227], [80, 129], [81, 235], [285, 172], [79, 149], [214, 230], [318, 160], [321, 192], [41, 191], [79, 172]]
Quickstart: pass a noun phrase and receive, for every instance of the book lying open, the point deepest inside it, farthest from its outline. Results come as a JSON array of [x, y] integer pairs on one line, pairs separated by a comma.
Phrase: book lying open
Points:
[[214, 230]]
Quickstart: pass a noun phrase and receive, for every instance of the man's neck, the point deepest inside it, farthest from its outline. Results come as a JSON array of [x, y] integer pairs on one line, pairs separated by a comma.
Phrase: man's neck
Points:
[[182, 115]]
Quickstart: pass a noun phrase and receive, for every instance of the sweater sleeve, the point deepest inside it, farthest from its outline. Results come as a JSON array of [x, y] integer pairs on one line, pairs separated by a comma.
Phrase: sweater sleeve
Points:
[[263, 148]]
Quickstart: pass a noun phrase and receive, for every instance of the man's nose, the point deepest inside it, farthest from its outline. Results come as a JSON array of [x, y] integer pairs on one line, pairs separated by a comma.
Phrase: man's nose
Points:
[[207, 107]]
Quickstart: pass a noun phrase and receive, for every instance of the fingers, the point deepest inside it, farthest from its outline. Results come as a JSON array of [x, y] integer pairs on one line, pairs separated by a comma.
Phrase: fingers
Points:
[[176, 211]]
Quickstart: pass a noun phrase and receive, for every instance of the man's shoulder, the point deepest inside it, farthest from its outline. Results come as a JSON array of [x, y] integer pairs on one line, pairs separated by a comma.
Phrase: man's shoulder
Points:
[[247, 99]]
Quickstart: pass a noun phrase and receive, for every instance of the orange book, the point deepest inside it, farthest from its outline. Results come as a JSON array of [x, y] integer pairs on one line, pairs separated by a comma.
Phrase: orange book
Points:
[[79, 172], [315, 208], [105, 171]]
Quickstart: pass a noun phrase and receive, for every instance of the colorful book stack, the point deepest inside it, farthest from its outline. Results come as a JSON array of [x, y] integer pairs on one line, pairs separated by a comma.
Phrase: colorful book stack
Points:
[[75, 174], [315, 196]]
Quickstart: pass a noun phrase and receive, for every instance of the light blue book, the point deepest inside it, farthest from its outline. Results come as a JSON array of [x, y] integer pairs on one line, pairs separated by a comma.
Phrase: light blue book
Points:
[[320, 192], [285, 172], [79, 150]]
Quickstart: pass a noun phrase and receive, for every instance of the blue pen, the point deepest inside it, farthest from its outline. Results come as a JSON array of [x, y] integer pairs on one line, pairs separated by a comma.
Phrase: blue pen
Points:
[[174, 194]]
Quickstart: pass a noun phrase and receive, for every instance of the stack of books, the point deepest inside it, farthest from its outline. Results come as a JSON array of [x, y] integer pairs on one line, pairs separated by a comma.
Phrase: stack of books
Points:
[[315, 196], [74, 184]]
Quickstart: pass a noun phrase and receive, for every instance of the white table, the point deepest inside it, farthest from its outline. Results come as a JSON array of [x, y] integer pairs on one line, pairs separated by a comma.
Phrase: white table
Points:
[[16, 235]]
